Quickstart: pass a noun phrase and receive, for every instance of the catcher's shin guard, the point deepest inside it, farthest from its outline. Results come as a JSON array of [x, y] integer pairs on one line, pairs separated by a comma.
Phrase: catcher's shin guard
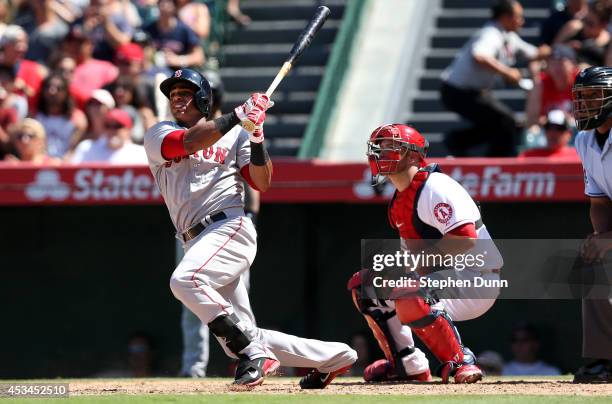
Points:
[[376, 314], [437, 332]]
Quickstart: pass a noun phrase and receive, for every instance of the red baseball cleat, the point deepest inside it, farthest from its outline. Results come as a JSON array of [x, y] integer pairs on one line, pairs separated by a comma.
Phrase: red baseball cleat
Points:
[[464, 374]]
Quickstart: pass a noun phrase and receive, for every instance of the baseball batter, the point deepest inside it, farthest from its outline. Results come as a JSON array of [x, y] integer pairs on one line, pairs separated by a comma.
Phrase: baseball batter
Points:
[[196, 335], [427, 206], [196, 163]]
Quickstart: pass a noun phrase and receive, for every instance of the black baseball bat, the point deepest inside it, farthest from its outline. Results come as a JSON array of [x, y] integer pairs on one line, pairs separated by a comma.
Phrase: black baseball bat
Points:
[[303, 41]]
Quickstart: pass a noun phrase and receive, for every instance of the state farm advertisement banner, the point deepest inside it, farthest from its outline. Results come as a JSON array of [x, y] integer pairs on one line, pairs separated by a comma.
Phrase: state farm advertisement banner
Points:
[[83, 185], [486, 179], [294, 182]]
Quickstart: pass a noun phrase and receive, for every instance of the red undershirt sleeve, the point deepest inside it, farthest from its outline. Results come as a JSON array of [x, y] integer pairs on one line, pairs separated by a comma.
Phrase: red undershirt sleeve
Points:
[[244, 171], [465, 230], [172, 145]]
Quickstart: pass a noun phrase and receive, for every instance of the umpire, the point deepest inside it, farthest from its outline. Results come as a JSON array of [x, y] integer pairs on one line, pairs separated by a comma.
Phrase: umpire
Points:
[[592, 104], [468, 81]]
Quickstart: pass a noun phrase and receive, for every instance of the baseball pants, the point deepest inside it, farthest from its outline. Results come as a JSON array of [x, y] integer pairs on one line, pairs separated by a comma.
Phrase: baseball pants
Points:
[[196, 338], [208, 281], [457, 309], [597, 328]]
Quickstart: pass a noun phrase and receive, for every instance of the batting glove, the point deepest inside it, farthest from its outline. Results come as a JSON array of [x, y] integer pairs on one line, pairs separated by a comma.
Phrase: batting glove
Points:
[[253, 112]]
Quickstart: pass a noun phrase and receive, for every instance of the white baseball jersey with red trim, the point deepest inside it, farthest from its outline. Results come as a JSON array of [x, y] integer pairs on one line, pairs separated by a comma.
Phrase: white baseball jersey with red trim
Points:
[[203, 183], [445, 205]]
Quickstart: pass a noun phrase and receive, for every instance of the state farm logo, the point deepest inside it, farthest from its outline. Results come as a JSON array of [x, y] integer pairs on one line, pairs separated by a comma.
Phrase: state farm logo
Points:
[[47, 184], [90, 184], [500, 184], [491, 183]]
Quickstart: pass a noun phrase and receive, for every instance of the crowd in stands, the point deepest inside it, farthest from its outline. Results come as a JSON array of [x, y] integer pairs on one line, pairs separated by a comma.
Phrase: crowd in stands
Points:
[[70, 66], [78, 78], [574, 37]]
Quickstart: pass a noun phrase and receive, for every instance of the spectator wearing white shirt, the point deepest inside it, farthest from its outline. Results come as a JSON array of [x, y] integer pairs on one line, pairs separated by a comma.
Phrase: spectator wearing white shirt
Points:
[[115, 146], [468, 81]]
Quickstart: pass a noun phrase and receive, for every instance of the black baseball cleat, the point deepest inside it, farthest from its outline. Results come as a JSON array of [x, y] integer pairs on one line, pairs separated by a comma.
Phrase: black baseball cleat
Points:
[[318, 380], [599, 371], [251, 372]]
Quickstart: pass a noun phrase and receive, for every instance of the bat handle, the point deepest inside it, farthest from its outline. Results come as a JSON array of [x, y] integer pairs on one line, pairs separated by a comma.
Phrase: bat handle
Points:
[[279, 77]]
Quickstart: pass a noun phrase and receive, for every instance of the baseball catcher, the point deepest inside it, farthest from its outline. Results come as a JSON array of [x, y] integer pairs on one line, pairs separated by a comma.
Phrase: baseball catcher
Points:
[[427, 206]]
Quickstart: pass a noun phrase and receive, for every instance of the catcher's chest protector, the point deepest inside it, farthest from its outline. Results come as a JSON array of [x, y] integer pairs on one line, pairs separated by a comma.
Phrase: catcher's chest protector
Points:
[[402, 212]]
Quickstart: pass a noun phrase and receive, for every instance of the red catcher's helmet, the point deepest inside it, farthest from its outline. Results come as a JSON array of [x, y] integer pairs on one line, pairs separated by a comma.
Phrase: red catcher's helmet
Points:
[[403, 138]]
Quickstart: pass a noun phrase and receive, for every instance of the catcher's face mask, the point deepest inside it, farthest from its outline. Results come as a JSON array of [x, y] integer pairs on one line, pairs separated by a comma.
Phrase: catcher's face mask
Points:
[[389, 144], [384, 155]]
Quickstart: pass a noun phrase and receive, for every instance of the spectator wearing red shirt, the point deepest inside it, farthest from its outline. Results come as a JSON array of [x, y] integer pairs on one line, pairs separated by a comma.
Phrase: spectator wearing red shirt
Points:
[[558, 135], [553, 87], [13, 106], [30, 74], [9, 107], [90, 74]]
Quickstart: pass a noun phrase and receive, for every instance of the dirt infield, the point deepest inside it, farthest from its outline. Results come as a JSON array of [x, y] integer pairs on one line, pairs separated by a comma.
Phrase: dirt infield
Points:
[[343, 386]]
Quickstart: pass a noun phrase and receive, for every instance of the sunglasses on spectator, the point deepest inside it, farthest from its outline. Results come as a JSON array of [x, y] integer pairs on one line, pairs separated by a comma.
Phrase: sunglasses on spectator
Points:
[[22, 136]]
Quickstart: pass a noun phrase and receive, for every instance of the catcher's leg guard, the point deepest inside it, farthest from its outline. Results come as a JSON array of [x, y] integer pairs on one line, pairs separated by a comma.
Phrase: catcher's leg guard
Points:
[[376, 314], [437, 332]]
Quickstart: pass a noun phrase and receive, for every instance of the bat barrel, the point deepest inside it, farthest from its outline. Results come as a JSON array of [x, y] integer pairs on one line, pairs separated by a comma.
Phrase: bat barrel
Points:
[[308, 33], [318, 19]]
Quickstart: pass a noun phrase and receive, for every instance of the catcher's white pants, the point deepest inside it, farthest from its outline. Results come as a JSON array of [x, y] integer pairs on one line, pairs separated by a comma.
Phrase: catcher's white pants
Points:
[[457, 309], [208, 282]]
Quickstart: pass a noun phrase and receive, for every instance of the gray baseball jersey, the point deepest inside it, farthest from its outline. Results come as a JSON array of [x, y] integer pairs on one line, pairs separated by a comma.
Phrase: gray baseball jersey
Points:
[[203, 183]]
